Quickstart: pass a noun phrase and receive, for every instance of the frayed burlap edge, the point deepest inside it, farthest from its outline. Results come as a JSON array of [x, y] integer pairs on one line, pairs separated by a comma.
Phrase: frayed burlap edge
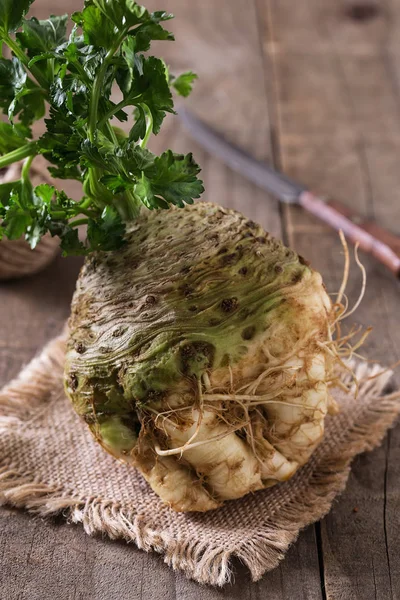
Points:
[[205, 562]]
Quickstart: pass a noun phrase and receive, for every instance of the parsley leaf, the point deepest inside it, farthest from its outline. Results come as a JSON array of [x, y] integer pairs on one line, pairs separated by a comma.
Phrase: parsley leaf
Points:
[[106, 233], [125, 14], [18, 94], [6, 191], [16, 217], [70, 80], [172, 178], [150, 87], [70, 243], [184, 83], [12, 137], [98, 31], [139, 129], [11, 14], [148, 32], [42, 36]]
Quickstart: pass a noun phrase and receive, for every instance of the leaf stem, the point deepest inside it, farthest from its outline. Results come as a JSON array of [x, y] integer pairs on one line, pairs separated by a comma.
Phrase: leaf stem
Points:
[[26, 168], [25, 61], [128, 205], [83, 207], [17, 50], [149, 126], [96, 93], [93, 112], [111, 133], [79, 222], [113, 110], [85, 202], [29, 149], [83, 211], [97, 192], [81, 71]]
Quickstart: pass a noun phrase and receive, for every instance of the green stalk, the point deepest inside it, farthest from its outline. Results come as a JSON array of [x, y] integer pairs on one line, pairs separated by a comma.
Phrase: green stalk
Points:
[[128, 205], [112, 112], [17, 50], [81, 71], [83, 208], [94, 174], [26, 168], [115, 109], [111, 133], [83, 211], [96, 92], [149, 126], [25, 61], [96, 189], [29, 149], [78, 222], [98, 82]]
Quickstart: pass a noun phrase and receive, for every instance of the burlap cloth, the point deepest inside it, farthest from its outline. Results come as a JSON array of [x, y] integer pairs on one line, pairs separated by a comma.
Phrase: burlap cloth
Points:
[[50, 463]]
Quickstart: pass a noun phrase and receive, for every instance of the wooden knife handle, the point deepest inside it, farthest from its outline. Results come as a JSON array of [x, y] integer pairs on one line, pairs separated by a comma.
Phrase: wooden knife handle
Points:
[[372, 238]]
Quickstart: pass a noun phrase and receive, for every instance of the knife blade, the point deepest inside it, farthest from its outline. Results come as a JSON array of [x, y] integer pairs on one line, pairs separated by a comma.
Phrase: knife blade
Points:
[[371, 237]]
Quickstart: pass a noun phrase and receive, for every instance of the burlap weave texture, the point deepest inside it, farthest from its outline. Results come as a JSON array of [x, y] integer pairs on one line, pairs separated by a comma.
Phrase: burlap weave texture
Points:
[[50, 463]]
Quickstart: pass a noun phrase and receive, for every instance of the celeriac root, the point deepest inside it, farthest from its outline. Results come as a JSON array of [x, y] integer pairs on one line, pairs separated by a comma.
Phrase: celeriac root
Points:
[[204, 353], [244, 438]]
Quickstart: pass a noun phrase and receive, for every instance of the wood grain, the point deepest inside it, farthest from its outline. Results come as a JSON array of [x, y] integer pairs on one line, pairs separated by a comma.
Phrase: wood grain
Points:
[[333, 143], [310, 86]]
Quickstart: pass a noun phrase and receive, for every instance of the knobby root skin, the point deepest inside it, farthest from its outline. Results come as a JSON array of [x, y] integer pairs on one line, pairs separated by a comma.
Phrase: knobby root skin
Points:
[[203, 353], [178, 487]]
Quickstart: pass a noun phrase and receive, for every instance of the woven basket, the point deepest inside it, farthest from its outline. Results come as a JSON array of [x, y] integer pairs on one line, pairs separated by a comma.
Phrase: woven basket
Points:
[[16, 257]]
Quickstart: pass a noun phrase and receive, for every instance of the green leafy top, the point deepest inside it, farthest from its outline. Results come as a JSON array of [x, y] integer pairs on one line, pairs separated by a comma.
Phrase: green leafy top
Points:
[[73, 78]]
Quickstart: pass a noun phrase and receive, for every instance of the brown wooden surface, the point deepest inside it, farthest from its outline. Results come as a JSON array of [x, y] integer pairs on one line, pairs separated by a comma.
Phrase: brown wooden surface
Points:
[[312, 86]]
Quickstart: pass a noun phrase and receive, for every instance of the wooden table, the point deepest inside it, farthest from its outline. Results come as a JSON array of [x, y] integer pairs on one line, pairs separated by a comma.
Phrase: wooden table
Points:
[[313, 86]]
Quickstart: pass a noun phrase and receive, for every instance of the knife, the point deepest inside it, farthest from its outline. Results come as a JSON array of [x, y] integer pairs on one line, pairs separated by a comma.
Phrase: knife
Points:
[[381, 243]]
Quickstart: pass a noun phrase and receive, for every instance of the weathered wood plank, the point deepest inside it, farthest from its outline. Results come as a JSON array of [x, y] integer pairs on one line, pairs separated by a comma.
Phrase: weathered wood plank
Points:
[[59, 561], [339, 133], [34, 311], [53, 560], [356, 27]]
